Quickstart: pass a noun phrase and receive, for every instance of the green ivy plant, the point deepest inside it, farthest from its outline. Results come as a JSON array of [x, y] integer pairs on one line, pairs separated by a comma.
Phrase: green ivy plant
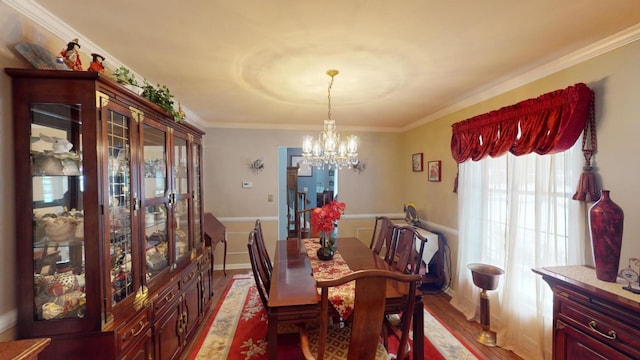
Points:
[[159, 94], [123, 76]]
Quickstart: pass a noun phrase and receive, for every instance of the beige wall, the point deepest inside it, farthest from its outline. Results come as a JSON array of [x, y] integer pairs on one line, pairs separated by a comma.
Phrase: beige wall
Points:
[[387, 182], [227, 152]]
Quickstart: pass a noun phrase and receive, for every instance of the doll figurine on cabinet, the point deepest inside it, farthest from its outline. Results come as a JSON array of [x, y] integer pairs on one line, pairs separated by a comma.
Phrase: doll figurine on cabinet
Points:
[[96, 63], [70, 56]]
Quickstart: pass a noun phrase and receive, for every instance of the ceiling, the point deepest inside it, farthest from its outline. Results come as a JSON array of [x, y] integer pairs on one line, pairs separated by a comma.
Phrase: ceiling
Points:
[[262, 64]]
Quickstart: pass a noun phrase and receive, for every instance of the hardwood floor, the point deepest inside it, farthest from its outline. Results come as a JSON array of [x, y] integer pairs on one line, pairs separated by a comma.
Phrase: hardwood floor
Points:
[[438, 303]]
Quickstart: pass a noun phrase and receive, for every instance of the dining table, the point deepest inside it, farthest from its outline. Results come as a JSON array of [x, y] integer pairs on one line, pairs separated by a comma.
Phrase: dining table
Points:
[[294, 297]]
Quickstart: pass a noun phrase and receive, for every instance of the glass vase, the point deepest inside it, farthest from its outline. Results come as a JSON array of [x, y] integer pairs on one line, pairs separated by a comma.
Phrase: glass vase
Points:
[[326, 250]]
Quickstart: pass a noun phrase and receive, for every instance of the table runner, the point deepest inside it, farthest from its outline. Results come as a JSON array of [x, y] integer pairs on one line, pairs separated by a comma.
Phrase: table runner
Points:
[[341, 297]]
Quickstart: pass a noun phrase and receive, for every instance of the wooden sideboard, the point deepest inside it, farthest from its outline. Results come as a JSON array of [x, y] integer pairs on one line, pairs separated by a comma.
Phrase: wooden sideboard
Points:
[[592, 319]]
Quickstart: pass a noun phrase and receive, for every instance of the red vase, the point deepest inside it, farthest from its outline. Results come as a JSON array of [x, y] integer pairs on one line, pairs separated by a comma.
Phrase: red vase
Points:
[[606, 219]]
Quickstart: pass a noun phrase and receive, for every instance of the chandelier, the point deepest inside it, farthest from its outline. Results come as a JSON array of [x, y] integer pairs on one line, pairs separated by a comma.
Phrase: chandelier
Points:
[[328, 150]]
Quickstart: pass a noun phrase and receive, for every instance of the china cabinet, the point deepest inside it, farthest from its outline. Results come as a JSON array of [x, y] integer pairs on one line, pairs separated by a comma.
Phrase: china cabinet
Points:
[[108, 216], [592, 319]]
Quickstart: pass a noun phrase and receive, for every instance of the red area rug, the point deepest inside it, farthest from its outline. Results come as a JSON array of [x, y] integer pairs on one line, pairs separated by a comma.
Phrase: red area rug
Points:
[[238, 330]]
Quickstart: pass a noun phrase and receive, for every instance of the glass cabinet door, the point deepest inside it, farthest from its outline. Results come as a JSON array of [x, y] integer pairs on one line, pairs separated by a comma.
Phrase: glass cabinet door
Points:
[[58, 216], [197, 205], [120, 234], [156, 210], [181, 207]]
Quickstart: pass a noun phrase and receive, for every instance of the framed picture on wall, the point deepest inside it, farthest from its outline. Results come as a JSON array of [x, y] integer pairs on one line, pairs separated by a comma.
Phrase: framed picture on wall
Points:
[[416, 162], [433, 167], [304, 169]]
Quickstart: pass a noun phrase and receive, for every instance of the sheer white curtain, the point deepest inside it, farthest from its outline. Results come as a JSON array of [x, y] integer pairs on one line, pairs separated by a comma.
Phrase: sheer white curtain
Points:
[[517, 213]]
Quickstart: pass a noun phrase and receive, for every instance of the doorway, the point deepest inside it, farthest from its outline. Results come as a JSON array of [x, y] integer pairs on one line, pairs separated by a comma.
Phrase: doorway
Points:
[[312, 187]]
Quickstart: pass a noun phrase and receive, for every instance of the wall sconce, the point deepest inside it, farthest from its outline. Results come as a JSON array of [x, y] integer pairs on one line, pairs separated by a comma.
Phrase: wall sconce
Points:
[[256, 166], [359, 167]]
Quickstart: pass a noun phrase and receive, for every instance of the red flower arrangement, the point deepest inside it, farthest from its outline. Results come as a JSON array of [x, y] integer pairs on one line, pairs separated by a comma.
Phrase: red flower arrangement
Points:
[[323, 219]]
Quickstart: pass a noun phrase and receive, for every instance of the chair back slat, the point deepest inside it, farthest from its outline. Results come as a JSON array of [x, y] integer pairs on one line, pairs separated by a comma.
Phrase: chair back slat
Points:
[[259, 269], [405, 257], [304, 232], [262, 248], [383, 232]]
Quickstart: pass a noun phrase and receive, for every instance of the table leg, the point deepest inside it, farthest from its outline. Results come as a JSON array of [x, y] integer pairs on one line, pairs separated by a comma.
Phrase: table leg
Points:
[[418, 330], [272, 334]]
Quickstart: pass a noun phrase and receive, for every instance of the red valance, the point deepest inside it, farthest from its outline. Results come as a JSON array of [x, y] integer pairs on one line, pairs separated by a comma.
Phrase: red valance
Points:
[[547, 124]]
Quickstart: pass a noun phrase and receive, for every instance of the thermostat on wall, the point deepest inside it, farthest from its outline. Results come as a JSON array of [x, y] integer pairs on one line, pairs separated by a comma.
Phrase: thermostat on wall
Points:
[[247, 184]]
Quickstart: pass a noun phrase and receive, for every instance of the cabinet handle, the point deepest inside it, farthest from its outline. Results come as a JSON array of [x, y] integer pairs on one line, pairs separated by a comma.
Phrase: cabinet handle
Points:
[[169, 297], [136, 204], [180, 322], [135, 333], [611, 335]]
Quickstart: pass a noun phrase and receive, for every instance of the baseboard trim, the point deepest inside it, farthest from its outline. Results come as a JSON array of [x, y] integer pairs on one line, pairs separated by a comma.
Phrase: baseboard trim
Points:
[[8, 320], [246, 266]]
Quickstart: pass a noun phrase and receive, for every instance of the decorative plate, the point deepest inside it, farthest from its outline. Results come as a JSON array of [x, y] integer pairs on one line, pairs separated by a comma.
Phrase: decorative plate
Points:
[[40, 57], [411, 213]]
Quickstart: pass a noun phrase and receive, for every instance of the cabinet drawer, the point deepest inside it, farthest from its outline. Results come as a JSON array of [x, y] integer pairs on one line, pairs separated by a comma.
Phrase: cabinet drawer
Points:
[[129, 333], [579, 346], [599, 326], [165, 297], [188, 275], [143, 350]]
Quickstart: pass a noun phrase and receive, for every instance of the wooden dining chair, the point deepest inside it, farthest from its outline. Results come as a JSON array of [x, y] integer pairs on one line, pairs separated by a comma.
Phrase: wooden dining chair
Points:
[[262, 247], [406, 256], [359, 338], [383, 231], [262, 277], [259, 269], [406, 250], [304, 232]]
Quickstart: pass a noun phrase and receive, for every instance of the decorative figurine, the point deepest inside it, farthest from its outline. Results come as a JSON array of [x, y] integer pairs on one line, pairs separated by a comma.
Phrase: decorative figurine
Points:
[[631, 276], [58, 145], [181, 114], [96, 63], [70, 56]]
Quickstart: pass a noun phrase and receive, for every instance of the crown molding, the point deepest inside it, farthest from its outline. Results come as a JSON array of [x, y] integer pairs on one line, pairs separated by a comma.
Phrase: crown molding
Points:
[[299, 127]]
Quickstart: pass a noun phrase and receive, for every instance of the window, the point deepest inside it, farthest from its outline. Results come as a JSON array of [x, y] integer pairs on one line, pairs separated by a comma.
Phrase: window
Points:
[[517, 213]]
